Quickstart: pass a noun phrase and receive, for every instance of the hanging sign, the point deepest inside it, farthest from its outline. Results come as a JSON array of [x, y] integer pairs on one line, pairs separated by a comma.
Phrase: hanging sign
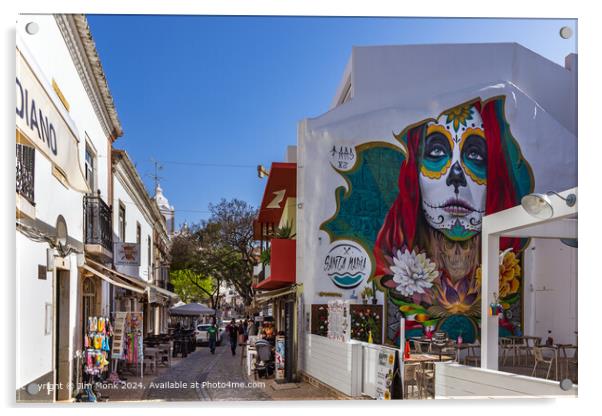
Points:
[[41, 122], [126, 254]]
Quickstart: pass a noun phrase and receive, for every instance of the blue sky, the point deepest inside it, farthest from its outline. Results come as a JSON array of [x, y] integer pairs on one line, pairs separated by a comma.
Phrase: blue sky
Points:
[[229, 91]]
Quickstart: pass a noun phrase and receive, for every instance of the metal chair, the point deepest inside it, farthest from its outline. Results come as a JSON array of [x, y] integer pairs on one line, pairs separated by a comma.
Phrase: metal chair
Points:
[[539, 358], [410, 372], [474, 355], [506, 345]]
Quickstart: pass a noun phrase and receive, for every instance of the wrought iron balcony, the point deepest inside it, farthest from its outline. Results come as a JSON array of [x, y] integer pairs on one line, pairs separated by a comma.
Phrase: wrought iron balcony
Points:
[[98, 222], [25, 172]]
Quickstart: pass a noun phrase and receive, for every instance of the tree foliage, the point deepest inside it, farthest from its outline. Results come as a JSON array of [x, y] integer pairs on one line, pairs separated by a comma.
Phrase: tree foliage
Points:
[[219, 249]]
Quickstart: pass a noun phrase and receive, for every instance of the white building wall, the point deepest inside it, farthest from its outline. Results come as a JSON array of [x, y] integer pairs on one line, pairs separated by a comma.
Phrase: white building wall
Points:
[[550, 296], [133, 215], [33, 346], [394, 87], [47, 53], [51, 54]]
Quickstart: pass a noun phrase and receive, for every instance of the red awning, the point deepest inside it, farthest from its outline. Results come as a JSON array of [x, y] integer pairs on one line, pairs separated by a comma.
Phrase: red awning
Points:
[[282, 184]]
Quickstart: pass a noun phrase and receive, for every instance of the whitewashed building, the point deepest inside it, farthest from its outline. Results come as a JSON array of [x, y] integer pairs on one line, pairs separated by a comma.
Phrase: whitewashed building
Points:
[[77, 199], [65, 126], [138, 220], [420, 143]]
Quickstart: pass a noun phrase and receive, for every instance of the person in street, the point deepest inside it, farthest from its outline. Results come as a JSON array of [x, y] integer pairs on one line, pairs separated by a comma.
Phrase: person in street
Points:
[[212, 334], [232, 330]]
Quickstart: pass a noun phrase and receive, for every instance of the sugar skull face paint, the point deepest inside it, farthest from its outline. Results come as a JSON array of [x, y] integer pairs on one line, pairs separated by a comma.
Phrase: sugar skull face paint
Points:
[[453, 172]]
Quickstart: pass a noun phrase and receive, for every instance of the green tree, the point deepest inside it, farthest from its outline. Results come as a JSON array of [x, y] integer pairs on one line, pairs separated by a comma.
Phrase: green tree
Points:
[[191, 286], [219, 249]]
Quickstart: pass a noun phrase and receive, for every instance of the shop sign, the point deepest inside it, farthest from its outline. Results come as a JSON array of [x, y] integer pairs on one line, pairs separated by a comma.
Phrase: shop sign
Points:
[[39, 119], [126, 254], [385, 371], [347, 264]]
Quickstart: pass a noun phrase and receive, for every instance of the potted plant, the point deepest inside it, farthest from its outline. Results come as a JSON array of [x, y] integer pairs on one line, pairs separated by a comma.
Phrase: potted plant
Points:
[[285, 232]]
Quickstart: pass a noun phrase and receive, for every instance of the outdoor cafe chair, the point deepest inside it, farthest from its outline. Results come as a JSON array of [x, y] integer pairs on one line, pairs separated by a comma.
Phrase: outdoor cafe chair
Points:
[[410, 372], [539, 358], [473, 356], [426, 379], [506, 345]]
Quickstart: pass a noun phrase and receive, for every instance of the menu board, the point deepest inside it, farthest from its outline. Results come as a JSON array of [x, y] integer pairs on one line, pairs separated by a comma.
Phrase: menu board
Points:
[[118, 334], [385, 373], [338, 320]]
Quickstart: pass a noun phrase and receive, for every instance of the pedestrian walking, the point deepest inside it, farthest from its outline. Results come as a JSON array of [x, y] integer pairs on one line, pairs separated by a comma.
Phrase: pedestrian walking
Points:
[[212, 334], [232, 330]]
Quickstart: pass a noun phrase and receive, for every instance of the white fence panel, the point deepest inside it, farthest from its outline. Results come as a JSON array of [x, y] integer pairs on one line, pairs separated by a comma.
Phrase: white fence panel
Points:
[[453, 380]]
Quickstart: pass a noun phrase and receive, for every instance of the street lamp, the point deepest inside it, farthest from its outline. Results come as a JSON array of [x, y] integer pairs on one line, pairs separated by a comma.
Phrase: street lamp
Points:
[[261, 172], [540, 205]]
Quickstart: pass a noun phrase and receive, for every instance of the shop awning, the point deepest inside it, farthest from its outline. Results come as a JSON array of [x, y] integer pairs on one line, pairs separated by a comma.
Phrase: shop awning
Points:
[[136, 281], [112, 280], [273, 294], [282, 184], [131, 281]]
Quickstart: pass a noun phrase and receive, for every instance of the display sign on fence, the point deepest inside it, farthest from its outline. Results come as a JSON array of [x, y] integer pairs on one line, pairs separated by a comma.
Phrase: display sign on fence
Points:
[[385, 374]]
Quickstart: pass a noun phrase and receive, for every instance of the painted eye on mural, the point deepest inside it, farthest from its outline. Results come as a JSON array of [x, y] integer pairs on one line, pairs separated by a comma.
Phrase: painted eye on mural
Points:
[[475, 150], [436, 146]]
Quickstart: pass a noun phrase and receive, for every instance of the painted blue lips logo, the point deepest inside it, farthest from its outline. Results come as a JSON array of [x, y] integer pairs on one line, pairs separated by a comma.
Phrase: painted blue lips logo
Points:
[[346, 265]]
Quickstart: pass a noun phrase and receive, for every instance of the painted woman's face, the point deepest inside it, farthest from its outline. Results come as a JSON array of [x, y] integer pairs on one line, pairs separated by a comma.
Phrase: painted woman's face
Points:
[[453, 173]]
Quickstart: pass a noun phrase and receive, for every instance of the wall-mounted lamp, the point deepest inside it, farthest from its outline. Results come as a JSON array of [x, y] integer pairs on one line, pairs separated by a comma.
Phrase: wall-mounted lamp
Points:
[[540, 205], [261, 172]]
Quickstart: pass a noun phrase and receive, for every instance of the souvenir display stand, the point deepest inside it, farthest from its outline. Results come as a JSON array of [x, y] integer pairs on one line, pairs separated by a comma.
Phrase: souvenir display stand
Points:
[[93, 360], [128, 342], [97, 348]]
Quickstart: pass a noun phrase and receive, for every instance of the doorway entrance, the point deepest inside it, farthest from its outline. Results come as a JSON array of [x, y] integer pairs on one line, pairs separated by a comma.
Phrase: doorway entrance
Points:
[[61, 338]]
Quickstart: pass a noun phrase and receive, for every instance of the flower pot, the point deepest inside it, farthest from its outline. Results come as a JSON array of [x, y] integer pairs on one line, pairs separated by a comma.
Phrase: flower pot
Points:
[[365, 301]]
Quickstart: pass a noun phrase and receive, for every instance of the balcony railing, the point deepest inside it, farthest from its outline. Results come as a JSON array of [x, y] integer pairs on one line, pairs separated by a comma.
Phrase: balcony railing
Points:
[[25, 172], [97, 219]]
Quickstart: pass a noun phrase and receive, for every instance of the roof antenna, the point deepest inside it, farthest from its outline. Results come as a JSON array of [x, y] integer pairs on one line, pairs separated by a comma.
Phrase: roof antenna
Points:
[[155, 176]]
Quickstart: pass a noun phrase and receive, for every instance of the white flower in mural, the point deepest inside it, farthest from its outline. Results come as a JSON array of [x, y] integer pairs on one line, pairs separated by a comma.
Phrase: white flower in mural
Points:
[[413, 272]]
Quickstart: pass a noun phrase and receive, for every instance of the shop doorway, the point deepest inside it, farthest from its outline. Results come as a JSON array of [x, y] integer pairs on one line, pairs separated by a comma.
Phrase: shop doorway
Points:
[[61, 339]]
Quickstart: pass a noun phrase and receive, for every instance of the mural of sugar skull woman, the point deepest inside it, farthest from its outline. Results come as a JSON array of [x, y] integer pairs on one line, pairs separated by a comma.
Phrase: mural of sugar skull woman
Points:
[[458, 167]]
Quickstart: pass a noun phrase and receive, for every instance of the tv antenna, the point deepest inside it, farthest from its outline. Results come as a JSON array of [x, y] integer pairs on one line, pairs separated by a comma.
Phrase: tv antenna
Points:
[[155, 176]]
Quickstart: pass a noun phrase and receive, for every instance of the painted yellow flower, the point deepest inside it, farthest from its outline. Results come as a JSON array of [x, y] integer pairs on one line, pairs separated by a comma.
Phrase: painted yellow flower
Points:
[[509, 274], [458, 115], [509, 281]]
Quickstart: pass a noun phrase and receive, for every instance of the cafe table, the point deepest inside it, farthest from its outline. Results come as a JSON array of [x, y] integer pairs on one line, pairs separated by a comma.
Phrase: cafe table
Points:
[[561, 348], [557, 348], [422, 358]]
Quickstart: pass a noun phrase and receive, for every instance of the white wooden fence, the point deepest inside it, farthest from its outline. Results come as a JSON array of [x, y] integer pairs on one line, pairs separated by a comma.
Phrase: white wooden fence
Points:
[[453, 380]]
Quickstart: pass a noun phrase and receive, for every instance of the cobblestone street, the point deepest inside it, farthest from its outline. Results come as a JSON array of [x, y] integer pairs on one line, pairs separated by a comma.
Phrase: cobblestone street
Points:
[[202, 376]]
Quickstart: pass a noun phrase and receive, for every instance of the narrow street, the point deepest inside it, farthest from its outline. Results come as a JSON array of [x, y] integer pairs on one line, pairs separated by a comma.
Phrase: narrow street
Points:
[[200, 376]]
